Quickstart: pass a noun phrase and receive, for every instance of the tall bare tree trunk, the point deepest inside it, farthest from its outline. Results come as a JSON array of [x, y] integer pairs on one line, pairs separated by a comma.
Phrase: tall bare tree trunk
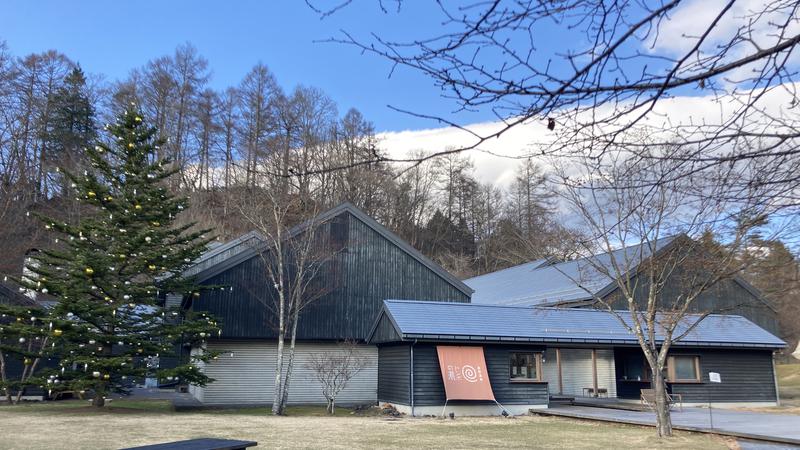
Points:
[[290, 362], [277, 395], [663, 417]]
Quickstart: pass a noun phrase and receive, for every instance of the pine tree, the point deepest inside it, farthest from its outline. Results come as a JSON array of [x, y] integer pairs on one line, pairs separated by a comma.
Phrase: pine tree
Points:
[[26, 338], [112, 268], [72, 127]]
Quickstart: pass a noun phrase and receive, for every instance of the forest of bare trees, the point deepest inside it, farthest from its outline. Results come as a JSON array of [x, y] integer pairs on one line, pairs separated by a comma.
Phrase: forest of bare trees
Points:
[[254, 136]]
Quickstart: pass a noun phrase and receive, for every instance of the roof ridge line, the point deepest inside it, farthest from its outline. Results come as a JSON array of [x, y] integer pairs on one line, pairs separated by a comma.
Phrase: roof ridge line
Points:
[[509, 268]]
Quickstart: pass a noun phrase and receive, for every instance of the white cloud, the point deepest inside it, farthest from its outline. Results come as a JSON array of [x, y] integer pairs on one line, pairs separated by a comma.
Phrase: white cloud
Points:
[[496, 159], [759, 24]]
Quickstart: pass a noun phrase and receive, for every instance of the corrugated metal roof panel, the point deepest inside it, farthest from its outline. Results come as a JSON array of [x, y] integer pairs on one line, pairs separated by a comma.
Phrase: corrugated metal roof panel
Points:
[[423, 318], [537, 283]]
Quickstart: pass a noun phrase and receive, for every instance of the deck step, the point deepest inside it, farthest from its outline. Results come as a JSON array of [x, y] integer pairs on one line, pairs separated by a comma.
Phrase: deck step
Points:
[[612, 405]]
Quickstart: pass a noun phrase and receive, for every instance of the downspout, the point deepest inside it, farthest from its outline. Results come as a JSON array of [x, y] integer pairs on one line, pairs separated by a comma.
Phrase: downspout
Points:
[[411, 384], [775, 378]]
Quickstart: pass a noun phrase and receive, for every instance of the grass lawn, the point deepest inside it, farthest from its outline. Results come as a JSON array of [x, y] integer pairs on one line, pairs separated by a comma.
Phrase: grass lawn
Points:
[[74, 424], [789, 385]]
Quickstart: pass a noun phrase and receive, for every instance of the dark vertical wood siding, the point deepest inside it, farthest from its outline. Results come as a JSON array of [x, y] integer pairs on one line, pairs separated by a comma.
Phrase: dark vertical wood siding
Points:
[[726, 297], [385, 332], [368, 270], [394, 374], [747, 376], [429, 387]]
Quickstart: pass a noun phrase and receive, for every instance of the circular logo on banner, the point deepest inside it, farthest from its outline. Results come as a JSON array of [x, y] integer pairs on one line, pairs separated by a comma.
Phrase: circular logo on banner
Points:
[[469, 373]]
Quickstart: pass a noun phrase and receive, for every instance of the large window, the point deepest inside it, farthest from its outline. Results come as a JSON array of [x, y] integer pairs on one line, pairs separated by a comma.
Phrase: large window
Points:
[[684, 369], [525, 366], [635, 369]]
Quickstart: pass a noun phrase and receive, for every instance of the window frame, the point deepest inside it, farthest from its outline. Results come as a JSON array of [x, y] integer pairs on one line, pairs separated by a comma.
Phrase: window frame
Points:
[[645, 374], [672, 377], [537, 355]]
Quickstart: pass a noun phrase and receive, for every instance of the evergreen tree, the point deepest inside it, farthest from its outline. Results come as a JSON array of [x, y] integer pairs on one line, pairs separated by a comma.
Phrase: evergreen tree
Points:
[[112, 267], [72, 126], [26, 338]]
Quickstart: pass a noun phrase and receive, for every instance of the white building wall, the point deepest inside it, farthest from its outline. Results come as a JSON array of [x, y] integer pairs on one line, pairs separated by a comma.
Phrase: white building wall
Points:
[[576, 371], [196, 391], [244, 374]]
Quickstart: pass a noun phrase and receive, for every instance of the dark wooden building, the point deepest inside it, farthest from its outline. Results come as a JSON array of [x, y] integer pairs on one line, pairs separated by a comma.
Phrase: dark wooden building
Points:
[[533, 354], [578, 284], [368, 264]]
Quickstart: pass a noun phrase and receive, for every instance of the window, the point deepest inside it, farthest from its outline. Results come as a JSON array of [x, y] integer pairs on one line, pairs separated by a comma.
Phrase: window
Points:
[[525, 366], [339, 229], [684, 368], [635, 369]]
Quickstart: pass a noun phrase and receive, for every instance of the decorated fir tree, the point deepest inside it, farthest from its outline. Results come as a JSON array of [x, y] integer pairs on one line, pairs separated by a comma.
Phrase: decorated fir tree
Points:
[[110, 271], [26, 342]]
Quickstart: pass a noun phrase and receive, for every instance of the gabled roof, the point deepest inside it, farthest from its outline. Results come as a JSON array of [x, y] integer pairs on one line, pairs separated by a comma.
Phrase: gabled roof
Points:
[[244, 247], [543, 283], [442, 321]]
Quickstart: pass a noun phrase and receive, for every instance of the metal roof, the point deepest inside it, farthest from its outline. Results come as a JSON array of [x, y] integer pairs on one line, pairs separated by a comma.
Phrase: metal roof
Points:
[[444, 321], [539, 283]]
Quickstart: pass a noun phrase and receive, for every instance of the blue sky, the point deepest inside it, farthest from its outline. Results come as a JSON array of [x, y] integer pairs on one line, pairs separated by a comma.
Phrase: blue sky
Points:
[[111, 38]]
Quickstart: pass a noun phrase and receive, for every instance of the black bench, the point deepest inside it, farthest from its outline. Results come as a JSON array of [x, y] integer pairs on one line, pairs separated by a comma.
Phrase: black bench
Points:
[[199, 444]]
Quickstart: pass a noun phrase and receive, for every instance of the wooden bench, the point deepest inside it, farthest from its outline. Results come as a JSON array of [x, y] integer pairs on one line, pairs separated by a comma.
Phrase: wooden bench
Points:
[[648, 398], [199, 444], [590, 392]]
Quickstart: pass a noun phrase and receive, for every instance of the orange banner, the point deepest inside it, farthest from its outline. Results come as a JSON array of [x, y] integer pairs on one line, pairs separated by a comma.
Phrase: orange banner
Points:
[[464, 373]]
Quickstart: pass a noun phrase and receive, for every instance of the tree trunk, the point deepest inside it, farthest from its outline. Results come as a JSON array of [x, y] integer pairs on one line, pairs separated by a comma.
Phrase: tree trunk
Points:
[[277, 394], [99, 399], [290, 363], [663, 418]]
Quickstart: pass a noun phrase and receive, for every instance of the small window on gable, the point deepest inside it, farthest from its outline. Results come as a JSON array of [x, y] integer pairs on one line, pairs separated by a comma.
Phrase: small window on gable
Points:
[[339, 230], [525, 366], [684, 369]]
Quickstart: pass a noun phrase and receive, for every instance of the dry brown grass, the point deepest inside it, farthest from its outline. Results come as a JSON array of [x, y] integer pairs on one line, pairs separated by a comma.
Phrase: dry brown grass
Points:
[[35, 427]]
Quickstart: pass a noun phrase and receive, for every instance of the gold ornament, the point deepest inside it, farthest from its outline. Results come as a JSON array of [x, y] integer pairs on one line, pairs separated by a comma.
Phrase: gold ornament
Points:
[[89, 271], [152, 267], [137, 207], [28, 361], [106, 376], [91, 194], [130, 145], [57, 332], [137, 118]]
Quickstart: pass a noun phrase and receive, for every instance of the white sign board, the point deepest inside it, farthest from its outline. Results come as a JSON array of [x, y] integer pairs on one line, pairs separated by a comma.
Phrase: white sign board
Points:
[[714, 377]]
